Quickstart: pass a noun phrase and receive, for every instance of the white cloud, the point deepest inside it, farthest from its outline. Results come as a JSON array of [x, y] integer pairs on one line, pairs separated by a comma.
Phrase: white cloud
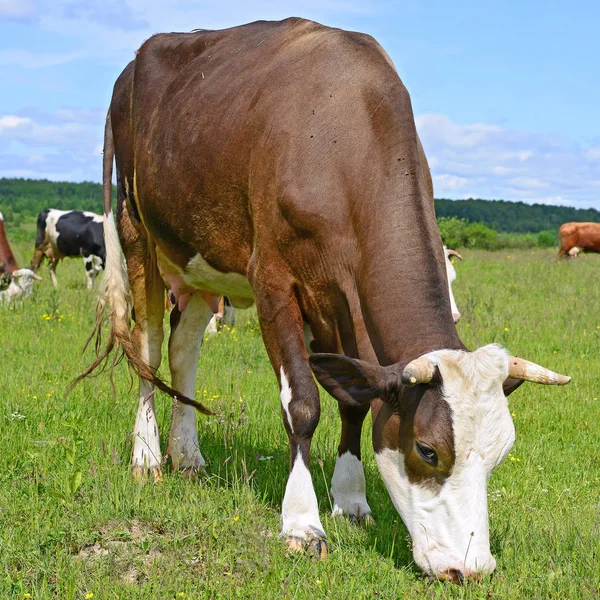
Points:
[[593, 154], [61, 145], [16, 9], [488, 161], [449, 182], [500, 170], [31, 133], [528, 182], [8, 122], [441, 128], [31, 60]]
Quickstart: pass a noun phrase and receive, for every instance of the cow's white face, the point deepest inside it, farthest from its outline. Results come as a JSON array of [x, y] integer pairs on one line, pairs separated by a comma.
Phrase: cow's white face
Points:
[[22, 283], [436, 444], [451, 276], [442, 496]]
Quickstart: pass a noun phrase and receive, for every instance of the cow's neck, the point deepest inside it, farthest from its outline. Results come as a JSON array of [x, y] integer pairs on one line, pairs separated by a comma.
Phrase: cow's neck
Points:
[[402, 283]]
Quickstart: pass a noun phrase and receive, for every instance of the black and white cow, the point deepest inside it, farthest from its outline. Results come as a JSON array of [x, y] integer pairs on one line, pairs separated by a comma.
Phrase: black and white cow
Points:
[[62, 233]]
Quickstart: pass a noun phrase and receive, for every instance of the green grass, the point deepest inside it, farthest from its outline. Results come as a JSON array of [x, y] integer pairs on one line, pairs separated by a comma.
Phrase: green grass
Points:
[[219, 538]]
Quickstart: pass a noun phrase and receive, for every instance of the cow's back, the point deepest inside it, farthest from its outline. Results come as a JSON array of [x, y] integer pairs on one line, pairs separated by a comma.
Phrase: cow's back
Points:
[[231, 122]]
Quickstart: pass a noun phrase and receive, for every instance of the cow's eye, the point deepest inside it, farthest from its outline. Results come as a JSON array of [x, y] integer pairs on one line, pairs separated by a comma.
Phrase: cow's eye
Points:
[[427, 454]]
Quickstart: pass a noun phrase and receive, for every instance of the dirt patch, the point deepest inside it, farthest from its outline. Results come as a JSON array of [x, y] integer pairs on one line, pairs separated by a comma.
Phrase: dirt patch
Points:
[[130, 549]]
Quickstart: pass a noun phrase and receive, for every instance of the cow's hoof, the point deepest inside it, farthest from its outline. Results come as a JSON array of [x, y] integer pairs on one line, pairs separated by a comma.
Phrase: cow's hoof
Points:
[[314, 546], [141, 474], [317, 548], [194, 473], [367, 520]]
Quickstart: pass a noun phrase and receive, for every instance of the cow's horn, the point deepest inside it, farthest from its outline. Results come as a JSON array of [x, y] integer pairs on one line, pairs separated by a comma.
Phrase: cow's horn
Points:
[[420, 370], [519, 368], [454, 253]]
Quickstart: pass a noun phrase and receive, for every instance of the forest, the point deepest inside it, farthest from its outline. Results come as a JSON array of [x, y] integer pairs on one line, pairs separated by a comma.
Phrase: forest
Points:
[[476, 223], [513, 217]]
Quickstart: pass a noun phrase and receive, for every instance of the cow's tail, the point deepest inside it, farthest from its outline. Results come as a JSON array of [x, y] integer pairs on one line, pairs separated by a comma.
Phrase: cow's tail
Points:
[[115, 297]]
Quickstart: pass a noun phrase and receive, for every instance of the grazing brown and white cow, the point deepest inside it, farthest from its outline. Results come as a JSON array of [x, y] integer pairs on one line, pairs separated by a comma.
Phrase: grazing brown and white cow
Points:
[[578, 237], [278, 163]]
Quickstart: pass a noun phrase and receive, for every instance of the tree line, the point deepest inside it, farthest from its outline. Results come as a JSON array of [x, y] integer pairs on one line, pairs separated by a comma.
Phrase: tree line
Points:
[[513, 217]]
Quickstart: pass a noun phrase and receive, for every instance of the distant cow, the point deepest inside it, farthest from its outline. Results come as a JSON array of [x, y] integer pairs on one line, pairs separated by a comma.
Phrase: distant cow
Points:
[[20, 285], [62, 233], [583, 236], [8, 263], [14, 282], [451, 275]]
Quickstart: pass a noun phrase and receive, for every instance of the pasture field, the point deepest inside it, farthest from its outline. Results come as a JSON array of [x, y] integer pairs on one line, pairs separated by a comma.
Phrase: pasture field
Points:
[[73, 524]]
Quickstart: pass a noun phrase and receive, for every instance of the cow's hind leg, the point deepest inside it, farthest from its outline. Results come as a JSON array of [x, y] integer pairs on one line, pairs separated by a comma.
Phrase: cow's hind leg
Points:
[[282, 329], [147, 292], [187, 330], [93, 266], [88, 263], [348, 482]]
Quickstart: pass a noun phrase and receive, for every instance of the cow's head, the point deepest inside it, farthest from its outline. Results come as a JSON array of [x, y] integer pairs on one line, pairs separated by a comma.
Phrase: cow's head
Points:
[[22, 283], [443, 426], [449, 255]]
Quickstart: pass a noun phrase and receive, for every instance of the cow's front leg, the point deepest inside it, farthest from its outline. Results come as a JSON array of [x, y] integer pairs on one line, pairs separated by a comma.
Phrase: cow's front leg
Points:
[[187, 330], [52, 267], [348, 486], [281, 324]]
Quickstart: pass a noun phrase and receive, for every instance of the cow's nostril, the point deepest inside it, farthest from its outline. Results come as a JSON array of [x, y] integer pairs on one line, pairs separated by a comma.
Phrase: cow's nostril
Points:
[[456, 317], [453, 575], [456, 576]]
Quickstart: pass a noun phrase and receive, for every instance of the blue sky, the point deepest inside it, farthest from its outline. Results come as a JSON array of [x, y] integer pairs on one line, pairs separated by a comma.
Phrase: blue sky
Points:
[[505, 94]]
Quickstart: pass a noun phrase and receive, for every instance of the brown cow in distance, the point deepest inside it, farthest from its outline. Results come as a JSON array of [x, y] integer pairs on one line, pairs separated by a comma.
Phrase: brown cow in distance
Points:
[[8, 262], [582, 236], [279, 163]]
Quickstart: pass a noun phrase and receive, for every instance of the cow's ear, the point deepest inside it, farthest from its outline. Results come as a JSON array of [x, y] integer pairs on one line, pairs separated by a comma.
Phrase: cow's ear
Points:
[[351, 381], [510, 385]]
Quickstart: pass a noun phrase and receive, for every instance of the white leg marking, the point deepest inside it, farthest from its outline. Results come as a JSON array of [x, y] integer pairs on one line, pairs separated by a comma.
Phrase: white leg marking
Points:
[[348, 487], [211, 329], [146, 443], [286, 398], [53, 275], [146, 437], [87, 263], [300, 511], [184, 348]]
